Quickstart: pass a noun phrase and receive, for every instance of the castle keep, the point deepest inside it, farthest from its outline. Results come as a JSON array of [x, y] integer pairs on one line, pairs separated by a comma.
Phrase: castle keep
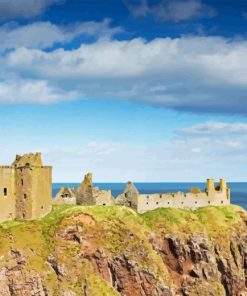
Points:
[[25, 188]]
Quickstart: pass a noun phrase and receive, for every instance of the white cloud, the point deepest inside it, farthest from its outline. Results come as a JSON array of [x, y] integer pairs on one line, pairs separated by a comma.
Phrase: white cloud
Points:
[[45, 34], [184, 157], [197, 156], [10, 9], [171, 10], [32, 91], [214, 128], [205, 74]]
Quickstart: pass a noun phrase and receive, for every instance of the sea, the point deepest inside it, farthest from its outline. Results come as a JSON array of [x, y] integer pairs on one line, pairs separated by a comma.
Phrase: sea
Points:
[[238, 190]]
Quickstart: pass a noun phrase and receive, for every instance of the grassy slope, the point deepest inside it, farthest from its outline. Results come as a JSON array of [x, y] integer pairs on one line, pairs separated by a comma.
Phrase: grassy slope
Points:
[[112, 230]]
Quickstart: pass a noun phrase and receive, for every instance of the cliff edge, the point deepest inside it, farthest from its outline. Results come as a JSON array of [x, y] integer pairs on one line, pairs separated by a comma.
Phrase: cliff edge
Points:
[[98, 250]]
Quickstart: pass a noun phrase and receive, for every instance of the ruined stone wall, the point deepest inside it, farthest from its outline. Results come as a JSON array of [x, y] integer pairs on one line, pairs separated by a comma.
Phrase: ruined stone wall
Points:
[[23, 183], [220, 197], [84, 193], [33, 192], [66, 195], [41, 191], [7, 193], [103, 197]]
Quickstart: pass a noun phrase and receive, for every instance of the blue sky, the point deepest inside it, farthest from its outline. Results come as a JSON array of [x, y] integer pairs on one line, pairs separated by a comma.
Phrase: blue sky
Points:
[[128, 89]]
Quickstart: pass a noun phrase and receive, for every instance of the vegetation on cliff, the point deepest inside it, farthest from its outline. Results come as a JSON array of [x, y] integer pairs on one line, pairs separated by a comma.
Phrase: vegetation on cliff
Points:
[[98, 250]]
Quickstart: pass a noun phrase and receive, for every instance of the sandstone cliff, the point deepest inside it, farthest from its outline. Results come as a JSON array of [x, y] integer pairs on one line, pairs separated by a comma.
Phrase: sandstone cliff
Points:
[[112, 250]]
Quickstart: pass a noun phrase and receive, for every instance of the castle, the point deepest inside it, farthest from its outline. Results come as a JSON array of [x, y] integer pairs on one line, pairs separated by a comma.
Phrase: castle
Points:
[[86, 194], [26, 193], [25, 188]]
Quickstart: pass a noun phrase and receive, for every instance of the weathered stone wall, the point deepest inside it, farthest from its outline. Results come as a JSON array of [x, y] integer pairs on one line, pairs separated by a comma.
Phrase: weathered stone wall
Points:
[[219, 197], [41, 191], [66, 195], [7, 193], [103, 197], [23, 182], [33, 192], [129, 197], [84, 193]]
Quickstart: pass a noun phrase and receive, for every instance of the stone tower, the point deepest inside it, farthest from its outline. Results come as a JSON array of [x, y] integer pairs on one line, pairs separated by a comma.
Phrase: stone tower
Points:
[[33, 187], [210, 187], [26, 188]]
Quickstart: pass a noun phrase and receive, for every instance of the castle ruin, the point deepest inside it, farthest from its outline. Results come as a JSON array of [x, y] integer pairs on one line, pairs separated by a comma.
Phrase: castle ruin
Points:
[[26, 193], [25, 188], [214, 195], [85, 194]]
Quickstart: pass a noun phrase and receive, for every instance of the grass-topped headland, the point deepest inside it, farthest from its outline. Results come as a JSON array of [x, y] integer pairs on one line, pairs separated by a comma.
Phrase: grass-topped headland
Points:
[[75, 246]]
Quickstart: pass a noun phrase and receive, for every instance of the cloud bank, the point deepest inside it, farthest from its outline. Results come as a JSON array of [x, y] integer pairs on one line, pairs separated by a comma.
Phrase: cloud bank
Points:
[[196, 74]]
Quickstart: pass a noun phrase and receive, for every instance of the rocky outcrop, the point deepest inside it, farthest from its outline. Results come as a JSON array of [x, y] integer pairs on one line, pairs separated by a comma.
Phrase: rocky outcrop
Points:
[[129, 197], [114, 251], [196, 264]]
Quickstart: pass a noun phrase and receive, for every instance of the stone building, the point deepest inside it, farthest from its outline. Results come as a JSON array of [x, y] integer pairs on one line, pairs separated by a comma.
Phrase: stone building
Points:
[[85, 194], [129, 197], [66, 195], [214, 195], [25, 188]]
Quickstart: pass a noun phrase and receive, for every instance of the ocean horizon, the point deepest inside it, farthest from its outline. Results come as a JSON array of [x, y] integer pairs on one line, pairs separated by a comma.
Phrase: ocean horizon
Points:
[[238, 189]]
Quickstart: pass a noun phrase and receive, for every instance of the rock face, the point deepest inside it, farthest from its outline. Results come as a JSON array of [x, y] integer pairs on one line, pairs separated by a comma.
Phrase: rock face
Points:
[[196, 264], [84, 193], [129, 197], [101, 251]]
